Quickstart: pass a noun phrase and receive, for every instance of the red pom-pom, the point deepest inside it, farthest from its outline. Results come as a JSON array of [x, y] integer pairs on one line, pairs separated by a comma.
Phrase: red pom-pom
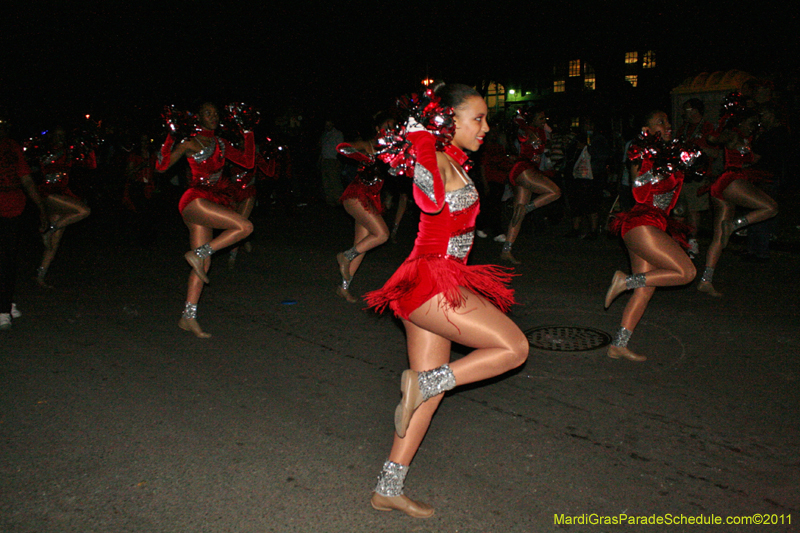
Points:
[[241, 116]]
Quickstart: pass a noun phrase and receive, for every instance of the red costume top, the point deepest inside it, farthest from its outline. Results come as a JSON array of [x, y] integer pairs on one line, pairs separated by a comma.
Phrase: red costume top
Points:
[[207, 165], [12, 168], [366, 186], [56, 166], [736, 163], [438, 262], [656, 193], [532, 142]]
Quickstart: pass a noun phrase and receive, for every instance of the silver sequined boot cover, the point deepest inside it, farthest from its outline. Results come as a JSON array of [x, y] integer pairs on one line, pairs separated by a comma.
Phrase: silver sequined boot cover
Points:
[[739, 223], [391, 479], [190, 311], [635, 281], [204, 251], [708, 275], [622, 338], [351, 254], [436, 381]]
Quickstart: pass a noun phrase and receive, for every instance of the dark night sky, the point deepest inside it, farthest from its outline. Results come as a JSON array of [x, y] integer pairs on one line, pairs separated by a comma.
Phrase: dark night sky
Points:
[[61, 61]]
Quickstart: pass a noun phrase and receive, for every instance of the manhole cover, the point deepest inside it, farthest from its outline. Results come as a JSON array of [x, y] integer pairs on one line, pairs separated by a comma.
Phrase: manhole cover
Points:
[[567, 338]]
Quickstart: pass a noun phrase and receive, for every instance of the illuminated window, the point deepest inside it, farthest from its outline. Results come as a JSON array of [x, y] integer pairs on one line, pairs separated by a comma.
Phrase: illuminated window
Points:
[[631, 57], [495, 96], [575, 68], [649, 59], [576, 122], [588, 77], [559, 86], [632, 79]]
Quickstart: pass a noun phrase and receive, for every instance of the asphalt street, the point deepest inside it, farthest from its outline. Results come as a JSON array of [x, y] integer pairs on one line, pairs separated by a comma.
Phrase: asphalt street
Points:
[[114, 420]]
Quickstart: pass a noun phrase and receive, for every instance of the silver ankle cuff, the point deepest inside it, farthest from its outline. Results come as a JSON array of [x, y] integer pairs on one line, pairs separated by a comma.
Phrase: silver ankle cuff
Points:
[[351, 254], [635, 281], [507, 246], [708, 275], [436, 381], [345, 284], [41, 272], [204, 251], [190, 311], [622, 338], [391, 479], [739, 223]]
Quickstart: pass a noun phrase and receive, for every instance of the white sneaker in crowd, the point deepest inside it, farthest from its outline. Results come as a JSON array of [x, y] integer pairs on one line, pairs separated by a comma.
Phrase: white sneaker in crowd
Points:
[[500, 238], [5, 321], [15, 313], [481, 234]]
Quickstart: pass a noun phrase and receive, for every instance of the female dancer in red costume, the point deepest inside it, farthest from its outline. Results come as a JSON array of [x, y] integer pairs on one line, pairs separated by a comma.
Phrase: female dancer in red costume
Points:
[[441, 299], [657, 260], [362, 201], [735, 187], [204, 206], [63, 206], [527, 179]]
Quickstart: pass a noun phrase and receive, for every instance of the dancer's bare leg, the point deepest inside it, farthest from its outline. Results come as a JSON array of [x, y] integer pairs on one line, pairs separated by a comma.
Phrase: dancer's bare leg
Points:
[[206, 213], [499, 345], [202, 216], [743, 193], [244, 208], [62, 211], [198, 235], [370, 231], [529, 183], [723, 214], [656, 261]]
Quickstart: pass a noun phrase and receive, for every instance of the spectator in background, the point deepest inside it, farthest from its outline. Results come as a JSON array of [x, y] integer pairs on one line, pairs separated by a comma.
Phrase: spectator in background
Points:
[[496, 165], [588, 156], [15, 183]]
